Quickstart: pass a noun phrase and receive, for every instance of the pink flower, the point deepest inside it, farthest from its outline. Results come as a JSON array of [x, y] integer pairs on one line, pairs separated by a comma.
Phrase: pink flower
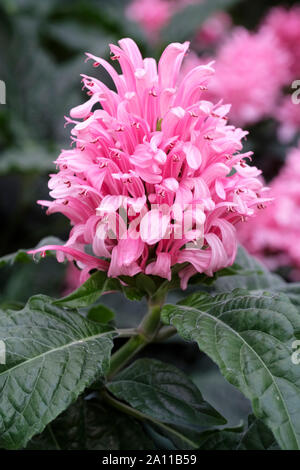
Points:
[[288, 115], [250, 71], [214, 29], [285, 25], [72, 279], [275, 234], [156, 177], [151, 15]]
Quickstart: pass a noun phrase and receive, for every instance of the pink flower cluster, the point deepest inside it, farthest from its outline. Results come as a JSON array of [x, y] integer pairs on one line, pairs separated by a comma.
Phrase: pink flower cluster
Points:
[[275, 234], [153, 15], [147, 157], [284, 24], [251, 69]]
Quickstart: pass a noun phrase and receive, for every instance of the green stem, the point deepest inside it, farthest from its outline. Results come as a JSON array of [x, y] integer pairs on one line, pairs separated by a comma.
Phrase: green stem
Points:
[[151, 322], [146, 333], [164, 333], [125, 353]]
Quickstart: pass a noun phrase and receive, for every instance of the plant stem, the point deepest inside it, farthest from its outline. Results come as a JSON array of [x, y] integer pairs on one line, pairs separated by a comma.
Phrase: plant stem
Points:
[[146, 333], [127, 332], [124, 354], [164, 333]]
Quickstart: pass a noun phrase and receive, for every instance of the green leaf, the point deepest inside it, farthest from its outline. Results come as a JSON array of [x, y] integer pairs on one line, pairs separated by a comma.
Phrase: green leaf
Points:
[[52, 354], [188, 21], [292, 290], [90, 424], [101, 314], [225, 439], [250, 337], [139, 286], [44, 441], [230, 271], [164, 393], [254, 276], [251, 276], [11, 305], [98, 283], [21, 256], [255, 437], [145, 284], [90, 291], [132, 293]]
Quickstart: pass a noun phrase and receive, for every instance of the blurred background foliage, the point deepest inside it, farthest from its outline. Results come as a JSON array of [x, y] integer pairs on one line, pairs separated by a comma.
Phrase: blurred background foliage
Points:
[[42, 46]]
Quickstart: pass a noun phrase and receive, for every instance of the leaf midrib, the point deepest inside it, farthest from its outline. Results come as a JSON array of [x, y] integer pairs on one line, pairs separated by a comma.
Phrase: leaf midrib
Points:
[[65, 346], [217, 320]]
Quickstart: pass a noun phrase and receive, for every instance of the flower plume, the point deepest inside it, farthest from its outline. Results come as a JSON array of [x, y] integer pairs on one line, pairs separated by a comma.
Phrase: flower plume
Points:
[[156, 176]]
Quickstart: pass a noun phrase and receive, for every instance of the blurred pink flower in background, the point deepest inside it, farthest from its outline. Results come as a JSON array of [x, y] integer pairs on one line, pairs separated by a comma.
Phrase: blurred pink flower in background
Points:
[[251, 69], [153, 15], [214, 29], [155, 152], [274, 235], [285, 25], [191, 61], [288, 115]]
